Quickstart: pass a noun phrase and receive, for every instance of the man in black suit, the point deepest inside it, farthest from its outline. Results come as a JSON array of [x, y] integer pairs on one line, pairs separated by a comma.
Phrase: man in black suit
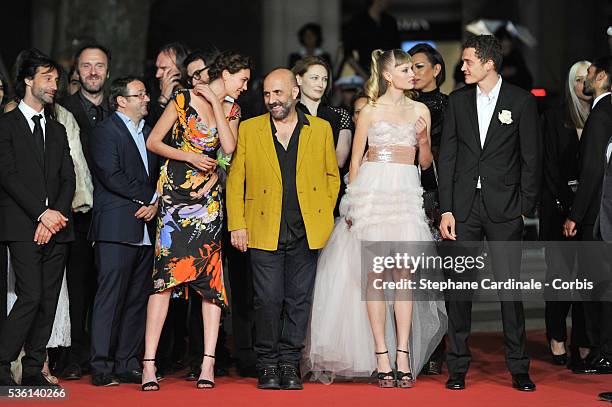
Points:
[[590, 214], [89, 107], [489, 161], [124, 204], [37, 184]]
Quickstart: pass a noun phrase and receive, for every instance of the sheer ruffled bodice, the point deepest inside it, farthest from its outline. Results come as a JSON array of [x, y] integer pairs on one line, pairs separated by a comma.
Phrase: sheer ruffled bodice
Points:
[[392, 143]]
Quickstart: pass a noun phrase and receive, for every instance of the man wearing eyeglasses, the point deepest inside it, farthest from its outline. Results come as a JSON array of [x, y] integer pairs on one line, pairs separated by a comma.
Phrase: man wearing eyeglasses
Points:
[[125, 203]]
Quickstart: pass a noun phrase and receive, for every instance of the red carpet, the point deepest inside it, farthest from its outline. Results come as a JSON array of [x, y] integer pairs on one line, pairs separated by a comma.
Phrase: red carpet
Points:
[[488, 384]]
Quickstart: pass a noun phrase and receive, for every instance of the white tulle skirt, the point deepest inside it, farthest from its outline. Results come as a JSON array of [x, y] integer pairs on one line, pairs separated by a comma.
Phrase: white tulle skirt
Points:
[[385, 204]]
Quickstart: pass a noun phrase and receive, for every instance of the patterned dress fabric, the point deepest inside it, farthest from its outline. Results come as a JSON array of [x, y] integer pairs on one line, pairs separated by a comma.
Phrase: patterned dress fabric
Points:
[[190, 213]]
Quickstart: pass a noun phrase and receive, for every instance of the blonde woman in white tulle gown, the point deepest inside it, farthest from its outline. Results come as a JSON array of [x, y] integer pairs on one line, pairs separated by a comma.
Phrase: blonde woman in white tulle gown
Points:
[[350, 337]]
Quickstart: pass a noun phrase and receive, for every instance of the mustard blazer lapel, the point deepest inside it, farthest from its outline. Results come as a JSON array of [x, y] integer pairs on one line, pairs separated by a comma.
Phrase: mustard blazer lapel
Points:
[[267, 144], [303, 142]]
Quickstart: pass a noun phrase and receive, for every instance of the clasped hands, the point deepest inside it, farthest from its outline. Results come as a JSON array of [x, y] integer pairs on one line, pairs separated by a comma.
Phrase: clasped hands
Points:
[[50, 223]]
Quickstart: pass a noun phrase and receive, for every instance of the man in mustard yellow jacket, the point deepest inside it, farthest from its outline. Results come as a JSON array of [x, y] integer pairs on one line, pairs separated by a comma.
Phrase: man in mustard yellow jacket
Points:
[[281, 193]]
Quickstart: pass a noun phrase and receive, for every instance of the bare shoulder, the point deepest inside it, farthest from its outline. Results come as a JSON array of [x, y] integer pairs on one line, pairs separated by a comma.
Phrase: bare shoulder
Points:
[[420, 108], [367, 111]]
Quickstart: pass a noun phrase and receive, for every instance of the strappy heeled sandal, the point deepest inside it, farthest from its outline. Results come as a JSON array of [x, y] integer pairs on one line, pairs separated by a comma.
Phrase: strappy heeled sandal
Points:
[[385, 379], [150, 386], [204, 383], [405, 380]]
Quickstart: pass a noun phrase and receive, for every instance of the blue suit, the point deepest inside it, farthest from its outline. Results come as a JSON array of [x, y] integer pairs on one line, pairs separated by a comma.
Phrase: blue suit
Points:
[[122, 184]]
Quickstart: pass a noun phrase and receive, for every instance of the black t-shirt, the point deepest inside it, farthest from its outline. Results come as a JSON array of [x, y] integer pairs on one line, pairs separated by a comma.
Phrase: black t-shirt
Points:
[[292, 224]]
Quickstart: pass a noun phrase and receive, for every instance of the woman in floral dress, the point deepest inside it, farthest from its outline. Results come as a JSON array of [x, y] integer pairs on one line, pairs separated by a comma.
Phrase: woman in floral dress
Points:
[[190, 215]]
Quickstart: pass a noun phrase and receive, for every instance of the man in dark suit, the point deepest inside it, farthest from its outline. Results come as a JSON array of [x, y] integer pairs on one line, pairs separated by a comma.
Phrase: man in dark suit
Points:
[[488, 179], [590, 216], [37, 184], [89, 107], [124, 204]]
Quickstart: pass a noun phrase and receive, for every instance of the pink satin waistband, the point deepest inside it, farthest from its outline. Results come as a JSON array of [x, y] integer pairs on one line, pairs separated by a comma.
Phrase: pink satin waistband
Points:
[[396, 154]]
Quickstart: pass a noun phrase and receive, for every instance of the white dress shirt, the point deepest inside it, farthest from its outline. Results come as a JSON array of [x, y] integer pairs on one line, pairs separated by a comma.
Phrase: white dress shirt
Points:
[[29, 112], [598, 98], [485, 106], [138, 136]]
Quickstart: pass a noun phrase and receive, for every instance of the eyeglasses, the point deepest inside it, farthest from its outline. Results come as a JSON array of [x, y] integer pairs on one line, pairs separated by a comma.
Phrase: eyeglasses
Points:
[[197, 75], [141, 96]]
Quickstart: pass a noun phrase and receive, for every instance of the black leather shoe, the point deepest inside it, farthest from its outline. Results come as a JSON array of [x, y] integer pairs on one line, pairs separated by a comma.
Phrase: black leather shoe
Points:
[[606, 396], [133, 376], [269, 378], [290, 378], [37, 380], [603, 366], [523, 382], [72, 372], [584, 366], [104, 380], [456, 381]]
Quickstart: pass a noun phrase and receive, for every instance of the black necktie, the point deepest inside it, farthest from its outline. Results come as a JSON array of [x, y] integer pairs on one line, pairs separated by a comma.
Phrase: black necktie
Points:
[[38, 134]]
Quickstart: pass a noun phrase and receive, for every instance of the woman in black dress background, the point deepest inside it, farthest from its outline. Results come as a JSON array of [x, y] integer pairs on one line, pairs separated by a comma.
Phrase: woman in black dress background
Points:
[[561, 130], [429, 74], [313, 75]]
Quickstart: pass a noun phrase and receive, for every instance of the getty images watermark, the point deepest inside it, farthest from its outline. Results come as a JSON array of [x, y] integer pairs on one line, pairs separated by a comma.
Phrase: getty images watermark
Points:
[[492, 271]]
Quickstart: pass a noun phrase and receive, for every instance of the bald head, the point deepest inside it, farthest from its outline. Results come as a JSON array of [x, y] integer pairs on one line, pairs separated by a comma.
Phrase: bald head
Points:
[[280, 91], [281, 75]]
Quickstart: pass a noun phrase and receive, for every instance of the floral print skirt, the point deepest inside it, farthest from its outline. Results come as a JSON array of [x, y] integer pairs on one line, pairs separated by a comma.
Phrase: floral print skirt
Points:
[[189, 233]]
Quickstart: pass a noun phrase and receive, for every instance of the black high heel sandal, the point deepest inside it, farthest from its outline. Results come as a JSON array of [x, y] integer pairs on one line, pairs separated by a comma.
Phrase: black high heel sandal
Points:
[[405, 380], [385, 379], [150, 386], [203, 383]]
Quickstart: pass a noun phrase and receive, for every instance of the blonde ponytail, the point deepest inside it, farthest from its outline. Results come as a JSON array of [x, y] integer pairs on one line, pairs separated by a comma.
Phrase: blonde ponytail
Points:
[[372, 86]]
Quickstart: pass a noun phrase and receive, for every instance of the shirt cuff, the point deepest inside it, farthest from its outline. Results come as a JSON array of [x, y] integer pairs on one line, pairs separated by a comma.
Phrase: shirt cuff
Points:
[[446, 213], [41, 215], [154, 198]]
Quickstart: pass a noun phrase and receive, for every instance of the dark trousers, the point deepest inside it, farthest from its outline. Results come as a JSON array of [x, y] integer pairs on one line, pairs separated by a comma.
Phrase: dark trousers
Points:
[[598, 314], [506, 263], [38, 280], [81, 280], [560, 262], [283, 282], [243, 317], [119, 311], [3, 282]]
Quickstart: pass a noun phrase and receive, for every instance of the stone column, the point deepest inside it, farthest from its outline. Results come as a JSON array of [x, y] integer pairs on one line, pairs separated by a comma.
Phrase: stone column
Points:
[[283, 18]]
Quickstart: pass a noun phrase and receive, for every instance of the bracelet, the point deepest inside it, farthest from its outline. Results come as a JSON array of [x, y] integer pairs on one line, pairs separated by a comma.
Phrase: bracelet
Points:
[[161, 102]]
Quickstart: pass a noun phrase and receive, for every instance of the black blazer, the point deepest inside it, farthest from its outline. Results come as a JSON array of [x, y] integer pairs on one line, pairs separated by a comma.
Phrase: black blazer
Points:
[[26, 181], [508, 164], [603, 224], [592, 164], [74, 105], [121, 183], [560, 165]]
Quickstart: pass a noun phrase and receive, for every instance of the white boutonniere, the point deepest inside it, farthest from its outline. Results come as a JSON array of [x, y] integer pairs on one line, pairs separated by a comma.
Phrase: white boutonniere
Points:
[[505, 117]]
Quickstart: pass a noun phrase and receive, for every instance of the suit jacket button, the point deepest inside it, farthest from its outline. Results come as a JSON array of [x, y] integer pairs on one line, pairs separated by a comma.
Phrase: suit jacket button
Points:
[[264, 191], [262, 212], [314, 189], [319, 210]]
